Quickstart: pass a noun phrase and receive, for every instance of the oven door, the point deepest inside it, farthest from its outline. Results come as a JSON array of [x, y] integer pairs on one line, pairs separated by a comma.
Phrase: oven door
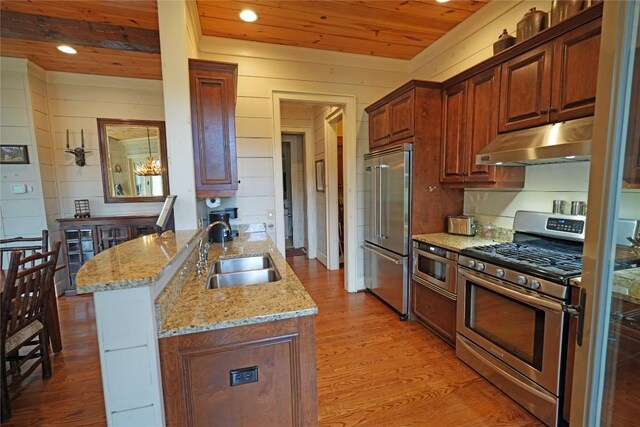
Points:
[[519, 327], [435, 269]]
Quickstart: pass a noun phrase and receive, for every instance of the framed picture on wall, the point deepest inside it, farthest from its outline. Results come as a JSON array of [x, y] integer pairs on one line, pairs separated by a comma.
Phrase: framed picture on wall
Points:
[[14, 155], [320, 176]]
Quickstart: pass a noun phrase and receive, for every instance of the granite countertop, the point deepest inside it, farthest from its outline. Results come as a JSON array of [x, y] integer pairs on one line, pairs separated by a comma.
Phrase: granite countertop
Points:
[[185, 306], [456, 243], [626, 284], [136, 263]]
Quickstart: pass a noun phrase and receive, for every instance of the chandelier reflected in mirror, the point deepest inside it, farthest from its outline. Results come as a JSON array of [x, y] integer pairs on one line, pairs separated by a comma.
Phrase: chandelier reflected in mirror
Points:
[[151, 167]]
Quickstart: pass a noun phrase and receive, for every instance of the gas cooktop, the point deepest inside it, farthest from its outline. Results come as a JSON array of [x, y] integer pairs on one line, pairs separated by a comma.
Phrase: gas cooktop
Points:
[[551, 262], [545, 245]]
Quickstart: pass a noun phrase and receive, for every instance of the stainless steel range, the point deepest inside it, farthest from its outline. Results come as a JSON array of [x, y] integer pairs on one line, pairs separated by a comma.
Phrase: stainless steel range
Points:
[[512, 309]]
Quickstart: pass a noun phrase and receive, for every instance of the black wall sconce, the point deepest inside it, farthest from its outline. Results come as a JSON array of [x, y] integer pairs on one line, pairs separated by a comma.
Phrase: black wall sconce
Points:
[[79, 152]]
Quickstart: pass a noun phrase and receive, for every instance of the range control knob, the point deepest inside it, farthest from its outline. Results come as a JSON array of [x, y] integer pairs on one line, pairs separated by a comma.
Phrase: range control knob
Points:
[[521, 280], [500, 272], [534, 284], [480, 266], [471, 263]]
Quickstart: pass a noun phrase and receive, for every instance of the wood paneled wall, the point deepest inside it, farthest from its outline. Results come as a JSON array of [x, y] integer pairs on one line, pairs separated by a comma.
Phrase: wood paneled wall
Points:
[[76, 101], [298, 70], [20, 214], [41, 128]]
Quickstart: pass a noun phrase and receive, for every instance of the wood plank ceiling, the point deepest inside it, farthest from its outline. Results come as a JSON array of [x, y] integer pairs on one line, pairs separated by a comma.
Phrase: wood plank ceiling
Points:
[[120, 38], [113, 38], [392, 29]]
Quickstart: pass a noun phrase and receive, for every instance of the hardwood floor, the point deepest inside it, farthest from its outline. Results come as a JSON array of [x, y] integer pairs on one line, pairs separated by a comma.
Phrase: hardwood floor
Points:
[[373, 370], [73, 394]]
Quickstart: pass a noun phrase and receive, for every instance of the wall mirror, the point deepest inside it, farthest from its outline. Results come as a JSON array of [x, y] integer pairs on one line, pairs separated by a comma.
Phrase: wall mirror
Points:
[[133, 156]]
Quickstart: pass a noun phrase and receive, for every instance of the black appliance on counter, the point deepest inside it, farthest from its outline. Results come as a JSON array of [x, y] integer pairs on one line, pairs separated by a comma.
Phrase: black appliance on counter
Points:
[[221, 230], [514, 308]]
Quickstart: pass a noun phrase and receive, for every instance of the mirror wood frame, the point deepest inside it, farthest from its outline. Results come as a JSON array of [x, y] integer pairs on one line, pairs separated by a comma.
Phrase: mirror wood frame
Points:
[[104, 159]]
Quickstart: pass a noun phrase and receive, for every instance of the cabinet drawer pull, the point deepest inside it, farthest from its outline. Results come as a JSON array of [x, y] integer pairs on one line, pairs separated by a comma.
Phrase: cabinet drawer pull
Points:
[[553, 110], [543, 111]]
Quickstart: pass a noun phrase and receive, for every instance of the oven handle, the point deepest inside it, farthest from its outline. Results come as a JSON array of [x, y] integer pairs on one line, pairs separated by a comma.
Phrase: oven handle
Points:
[[435, 257], [505, 289], [435, 288]]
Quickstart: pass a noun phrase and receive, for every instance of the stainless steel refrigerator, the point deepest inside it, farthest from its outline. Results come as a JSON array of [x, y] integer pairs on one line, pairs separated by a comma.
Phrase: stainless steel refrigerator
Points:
[[387, 232]]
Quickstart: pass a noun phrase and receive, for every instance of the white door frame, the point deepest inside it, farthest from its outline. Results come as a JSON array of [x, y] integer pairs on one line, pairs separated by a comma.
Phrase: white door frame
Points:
[[348, 104], [331, 153]]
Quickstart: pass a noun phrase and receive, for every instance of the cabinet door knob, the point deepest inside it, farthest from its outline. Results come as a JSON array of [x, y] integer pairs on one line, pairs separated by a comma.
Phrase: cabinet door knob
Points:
[[553, 110], [543, 111]]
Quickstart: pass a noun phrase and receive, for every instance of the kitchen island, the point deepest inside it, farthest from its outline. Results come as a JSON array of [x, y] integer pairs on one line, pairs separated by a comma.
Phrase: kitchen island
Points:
[[160, 330]]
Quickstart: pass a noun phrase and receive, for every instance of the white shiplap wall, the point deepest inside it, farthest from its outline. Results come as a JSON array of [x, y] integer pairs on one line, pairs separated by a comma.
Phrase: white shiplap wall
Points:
[[76, 101], [20, 214], [472, 41], [263, 69], [41, 127]]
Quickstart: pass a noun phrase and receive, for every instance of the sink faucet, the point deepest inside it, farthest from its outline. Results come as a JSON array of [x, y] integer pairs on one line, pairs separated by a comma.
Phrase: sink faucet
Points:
[[203, 251], [225, 225]]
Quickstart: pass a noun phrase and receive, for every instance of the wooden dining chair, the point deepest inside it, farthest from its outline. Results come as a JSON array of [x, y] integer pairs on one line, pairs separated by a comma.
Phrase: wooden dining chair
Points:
[[26, 245], [22, 320]]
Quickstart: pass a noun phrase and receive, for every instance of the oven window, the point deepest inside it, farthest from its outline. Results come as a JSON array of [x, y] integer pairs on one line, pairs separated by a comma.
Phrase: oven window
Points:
[[432, 268], [515, 327]]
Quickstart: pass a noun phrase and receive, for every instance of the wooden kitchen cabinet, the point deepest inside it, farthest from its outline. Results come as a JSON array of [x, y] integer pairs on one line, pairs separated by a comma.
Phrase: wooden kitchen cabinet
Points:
[[470, 122], [212, 88], [197, 375], [553, 82], [525, 90], [454, 104], [575, 72], [393, 121]]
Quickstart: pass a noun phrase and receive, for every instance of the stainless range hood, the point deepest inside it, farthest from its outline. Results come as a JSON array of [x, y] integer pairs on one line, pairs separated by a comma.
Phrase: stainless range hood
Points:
[[568, 141]]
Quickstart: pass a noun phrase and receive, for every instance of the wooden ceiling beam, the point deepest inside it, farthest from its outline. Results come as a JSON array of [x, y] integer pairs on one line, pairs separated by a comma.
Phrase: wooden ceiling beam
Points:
[[75, 32]]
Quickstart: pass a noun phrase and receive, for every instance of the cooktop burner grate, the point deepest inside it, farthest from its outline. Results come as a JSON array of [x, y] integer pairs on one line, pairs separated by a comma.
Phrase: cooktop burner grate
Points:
[[531, 258]]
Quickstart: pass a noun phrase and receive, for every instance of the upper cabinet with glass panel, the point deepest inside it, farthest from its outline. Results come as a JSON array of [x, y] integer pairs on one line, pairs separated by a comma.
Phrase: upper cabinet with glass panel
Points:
[[133, 155]]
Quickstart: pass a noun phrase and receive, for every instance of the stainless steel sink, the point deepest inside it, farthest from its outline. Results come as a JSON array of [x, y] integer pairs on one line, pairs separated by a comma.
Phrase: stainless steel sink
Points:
[[243, 278], [234, 265], [250, 270]]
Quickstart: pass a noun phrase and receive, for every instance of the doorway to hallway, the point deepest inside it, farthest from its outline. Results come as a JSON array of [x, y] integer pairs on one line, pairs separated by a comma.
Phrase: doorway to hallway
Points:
[[294, 194]]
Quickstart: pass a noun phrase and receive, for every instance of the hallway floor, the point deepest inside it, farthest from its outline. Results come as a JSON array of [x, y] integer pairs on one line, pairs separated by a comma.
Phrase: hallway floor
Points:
[[373, 370]]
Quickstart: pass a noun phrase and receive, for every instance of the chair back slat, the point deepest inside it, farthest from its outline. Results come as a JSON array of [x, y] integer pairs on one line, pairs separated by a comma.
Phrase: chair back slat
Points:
[[24, 299], [26, 245]]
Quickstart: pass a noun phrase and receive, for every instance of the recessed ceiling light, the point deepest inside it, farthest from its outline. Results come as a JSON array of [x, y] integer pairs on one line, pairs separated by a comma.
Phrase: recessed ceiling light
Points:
[[442, 1], [570, 157], [248, 15], [67, 49]]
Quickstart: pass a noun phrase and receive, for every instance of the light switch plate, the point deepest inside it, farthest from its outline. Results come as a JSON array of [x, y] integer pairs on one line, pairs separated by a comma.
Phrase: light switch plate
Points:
[[18, 188]]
